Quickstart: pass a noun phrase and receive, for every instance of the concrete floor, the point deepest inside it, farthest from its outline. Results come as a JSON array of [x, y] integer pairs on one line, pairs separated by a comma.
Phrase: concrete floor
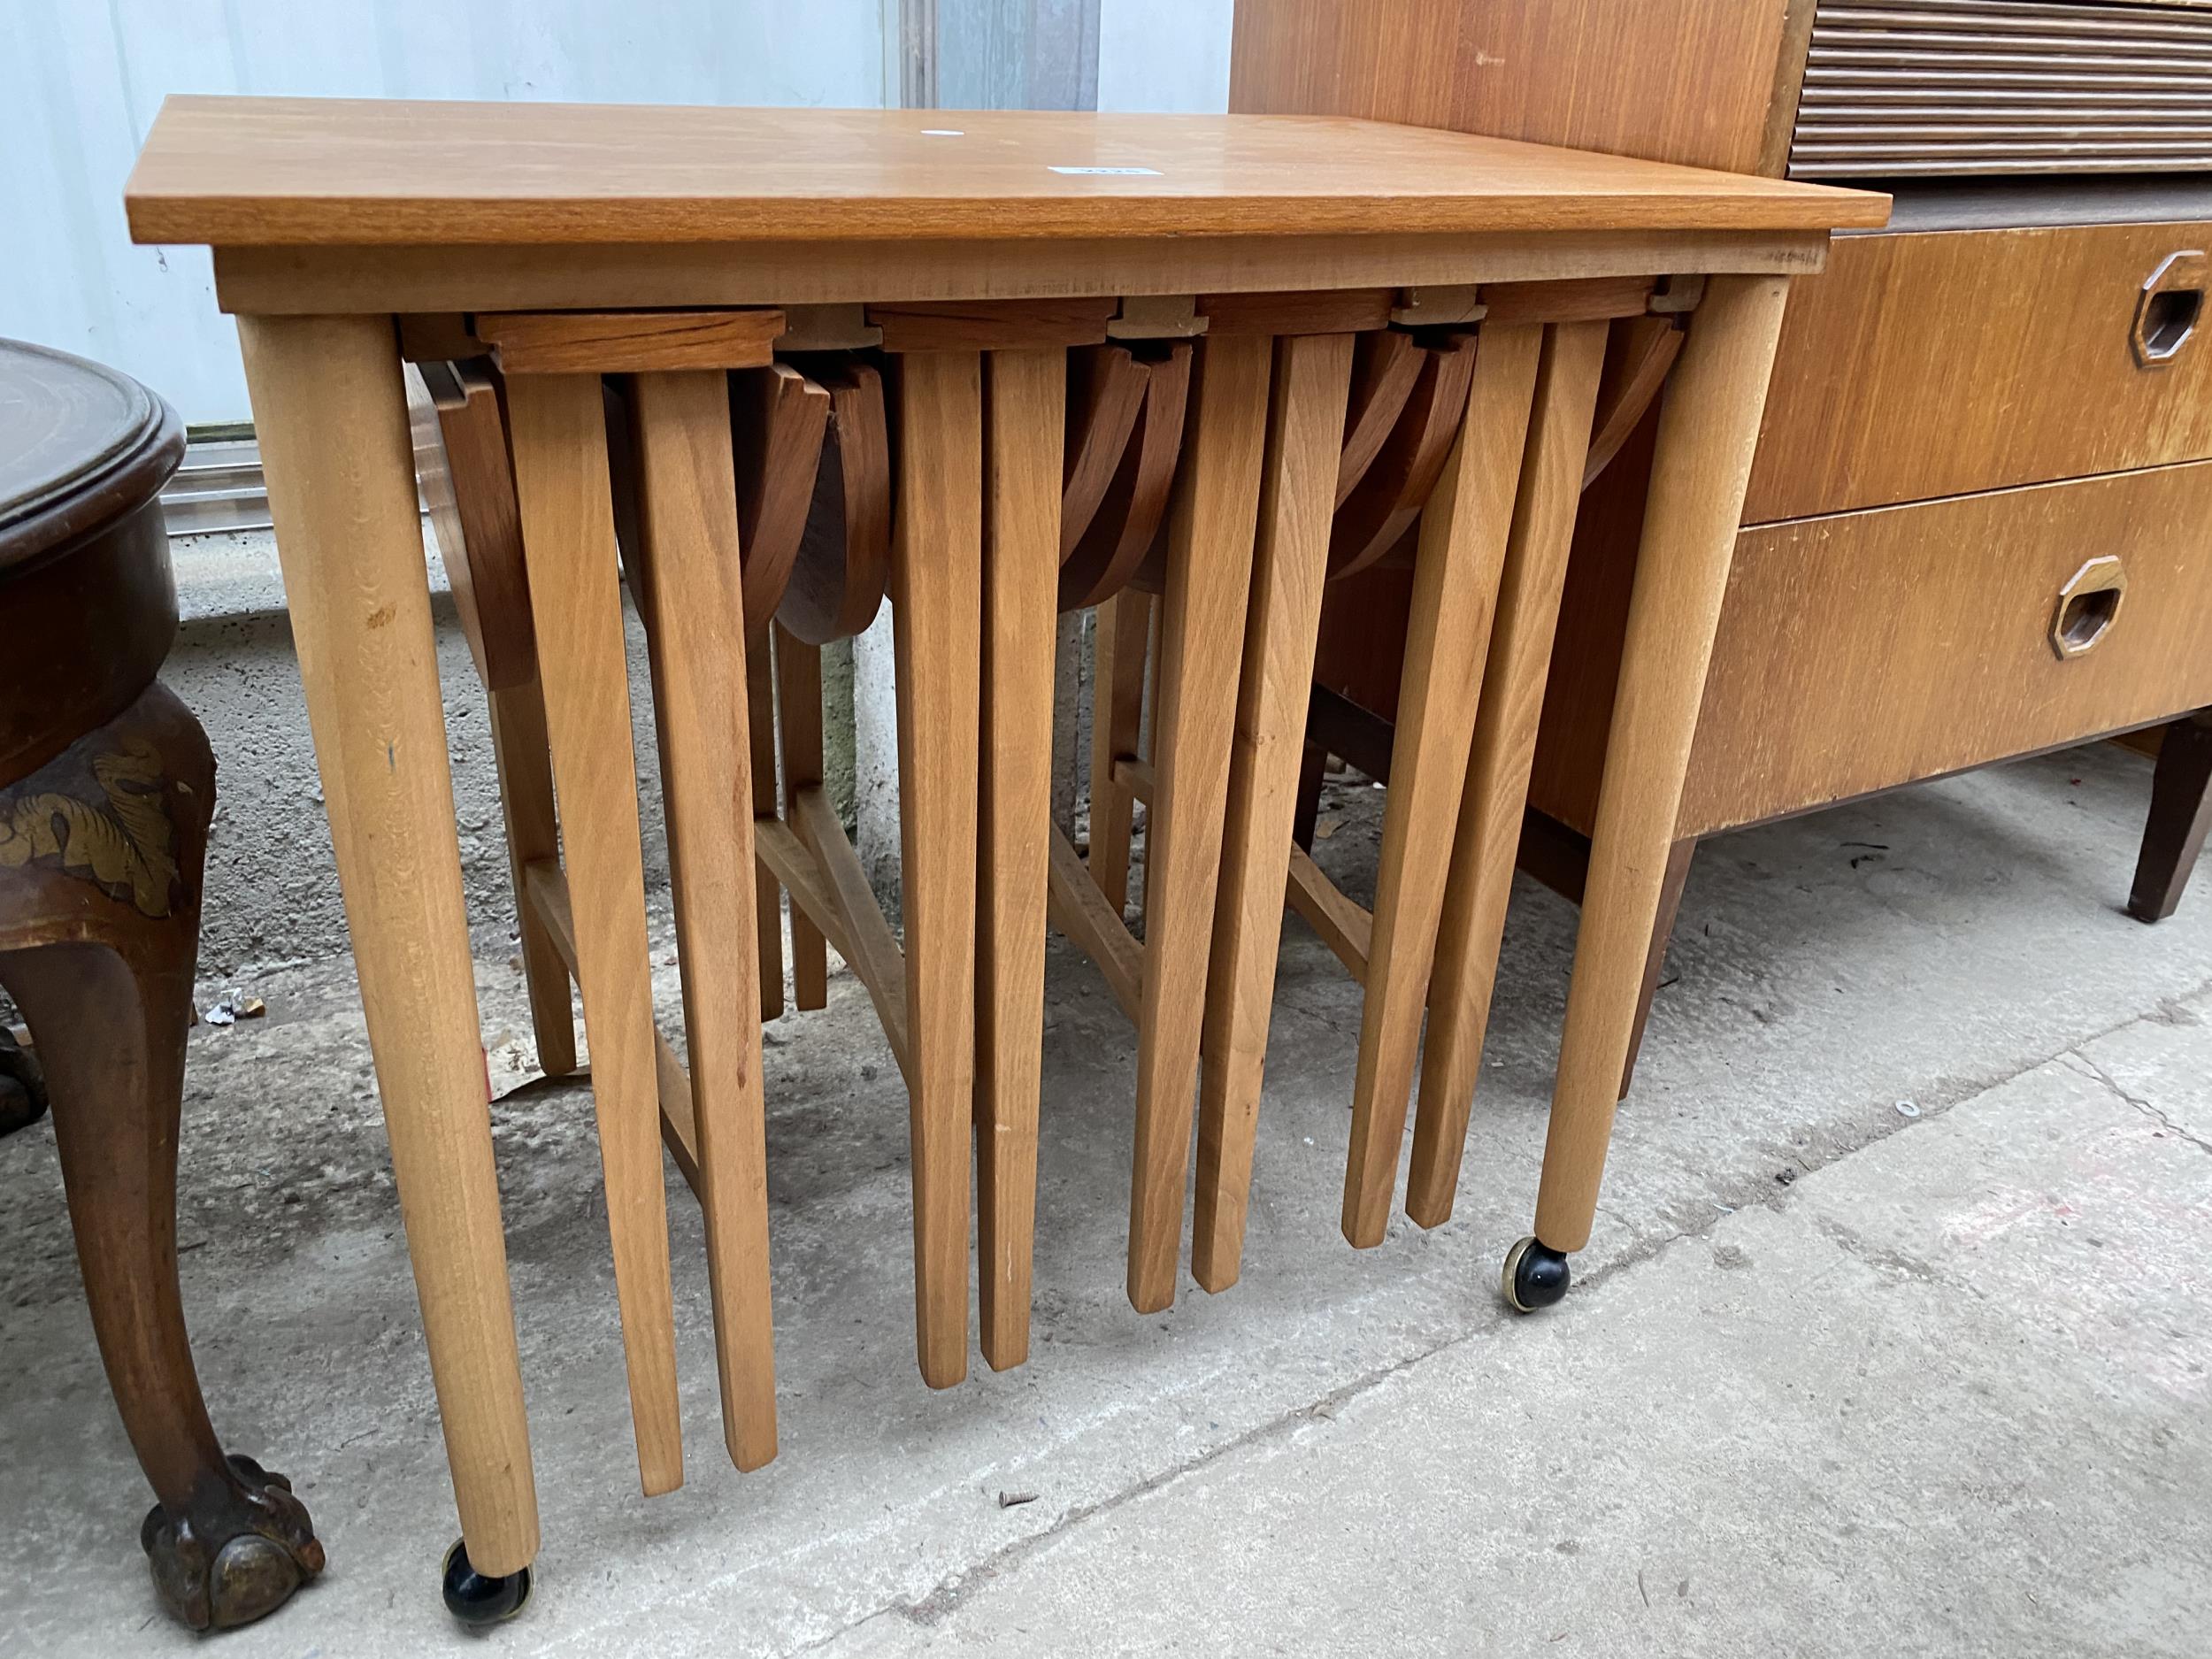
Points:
[[1894, 1337]]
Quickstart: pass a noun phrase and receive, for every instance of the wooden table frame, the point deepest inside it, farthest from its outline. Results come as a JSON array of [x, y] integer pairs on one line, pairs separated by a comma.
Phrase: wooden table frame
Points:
[[1468, 712], [328, 388], [329, 220]]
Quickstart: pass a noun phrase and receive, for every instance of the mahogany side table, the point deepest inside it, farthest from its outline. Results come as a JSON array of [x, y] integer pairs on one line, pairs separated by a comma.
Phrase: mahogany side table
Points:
[[106, 788]]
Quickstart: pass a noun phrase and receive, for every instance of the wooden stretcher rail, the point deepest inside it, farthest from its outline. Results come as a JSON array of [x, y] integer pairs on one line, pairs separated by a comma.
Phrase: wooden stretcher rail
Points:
[[778, 847], [1079, 910], [876, 957], [814, 860], [546, 892], [1345, 926]]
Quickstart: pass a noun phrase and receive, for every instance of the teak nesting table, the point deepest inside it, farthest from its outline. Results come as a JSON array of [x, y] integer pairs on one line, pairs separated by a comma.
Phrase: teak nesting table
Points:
[[664, 247]]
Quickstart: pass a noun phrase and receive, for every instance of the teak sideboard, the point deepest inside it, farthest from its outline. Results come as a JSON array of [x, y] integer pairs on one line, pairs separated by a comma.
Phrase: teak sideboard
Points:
[[1979, 523]]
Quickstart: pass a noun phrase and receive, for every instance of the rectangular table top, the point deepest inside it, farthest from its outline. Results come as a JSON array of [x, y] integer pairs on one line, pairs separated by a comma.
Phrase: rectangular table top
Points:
[[243, 173]]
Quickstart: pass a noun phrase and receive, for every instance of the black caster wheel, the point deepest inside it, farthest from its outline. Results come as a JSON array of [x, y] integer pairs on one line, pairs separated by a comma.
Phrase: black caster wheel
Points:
[[475, 1598], [1535, 1276]]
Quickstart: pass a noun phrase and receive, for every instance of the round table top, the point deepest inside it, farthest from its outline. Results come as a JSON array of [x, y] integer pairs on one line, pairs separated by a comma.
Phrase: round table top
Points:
[[81, 446]]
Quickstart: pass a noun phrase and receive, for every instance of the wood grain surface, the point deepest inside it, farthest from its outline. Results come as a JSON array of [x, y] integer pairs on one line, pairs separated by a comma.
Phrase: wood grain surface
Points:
[[1869, 649], [1210, 533], [1025, 404], [1935, 364], [1305, 437], [687, 554], [937, 645], [797, 270], [328, 399], [559, 429], [1688, 80], [247, 171], [629, 342], [1504, 743], [1708, 430], [1464, 536]]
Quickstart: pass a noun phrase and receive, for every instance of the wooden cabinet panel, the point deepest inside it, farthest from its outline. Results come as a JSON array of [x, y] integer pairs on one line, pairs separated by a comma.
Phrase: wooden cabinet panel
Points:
[[1685, 80], [1937, 363], [1870, 649]]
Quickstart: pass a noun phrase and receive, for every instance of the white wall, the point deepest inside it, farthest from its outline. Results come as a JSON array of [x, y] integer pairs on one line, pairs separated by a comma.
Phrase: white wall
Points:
[[1165, 55], [80, 79]]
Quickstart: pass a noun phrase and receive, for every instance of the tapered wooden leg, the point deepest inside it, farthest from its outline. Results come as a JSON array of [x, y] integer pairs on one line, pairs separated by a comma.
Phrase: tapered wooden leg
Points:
[[694, 623], [760, 714], [1123, 631], [799, 718], [1305, 434], [1679, 856], [2181, 811], [331, 417], [1456, 569], [936, 596], [1211, 529], [525, 800], [1147, 741], [101, 969], [559, 433], [1024, 403], [1707, 429], [1496, 792]]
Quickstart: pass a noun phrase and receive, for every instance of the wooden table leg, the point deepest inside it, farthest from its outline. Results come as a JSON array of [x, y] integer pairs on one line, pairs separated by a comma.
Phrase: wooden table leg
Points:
[[689, 554], [1123, 632], [1025, 404], [559, 434], [99, 957], [1504, 748], [332, 417], [1708, 430], [1210, 528], [525, 800], [799, 719], [1305, 434], [760, 714], [1461, 553], [936, 598]]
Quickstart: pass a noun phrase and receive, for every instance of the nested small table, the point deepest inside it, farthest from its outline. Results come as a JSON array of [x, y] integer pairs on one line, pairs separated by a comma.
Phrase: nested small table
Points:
[[660, 243]]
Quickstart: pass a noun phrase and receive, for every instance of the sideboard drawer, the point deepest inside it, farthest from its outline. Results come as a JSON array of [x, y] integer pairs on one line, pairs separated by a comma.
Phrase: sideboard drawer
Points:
[[1936, 363], [1869, 649]]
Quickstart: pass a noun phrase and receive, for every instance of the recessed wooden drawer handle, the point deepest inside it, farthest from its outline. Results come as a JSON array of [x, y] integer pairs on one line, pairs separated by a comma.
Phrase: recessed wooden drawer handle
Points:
[[2087, 606], [2167, 311]]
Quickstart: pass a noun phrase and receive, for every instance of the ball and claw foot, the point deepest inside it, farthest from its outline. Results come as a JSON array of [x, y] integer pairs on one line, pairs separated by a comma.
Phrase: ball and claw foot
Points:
[[1535, 1276], [473, 1598], [236, 1553]]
